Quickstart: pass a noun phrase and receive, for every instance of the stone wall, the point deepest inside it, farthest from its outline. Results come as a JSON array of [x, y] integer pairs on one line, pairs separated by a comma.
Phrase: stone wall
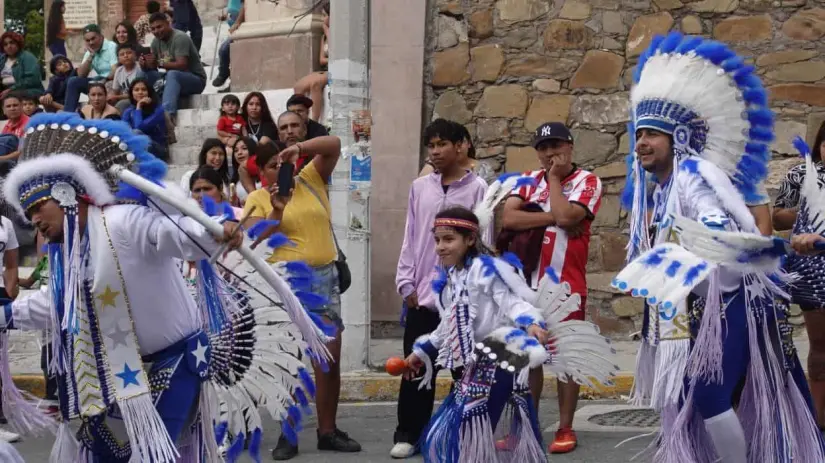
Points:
[[504, 66]]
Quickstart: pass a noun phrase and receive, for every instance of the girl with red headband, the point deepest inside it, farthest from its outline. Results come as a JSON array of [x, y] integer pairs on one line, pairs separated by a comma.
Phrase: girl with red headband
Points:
[[492, 328]]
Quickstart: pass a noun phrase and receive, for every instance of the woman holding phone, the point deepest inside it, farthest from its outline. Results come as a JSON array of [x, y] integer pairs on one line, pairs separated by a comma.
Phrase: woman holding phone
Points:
[[303, 215]]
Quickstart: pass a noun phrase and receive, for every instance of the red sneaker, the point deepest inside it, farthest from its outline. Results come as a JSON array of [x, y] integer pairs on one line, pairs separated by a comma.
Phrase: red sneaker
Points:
[[506, 443], [564, 442]]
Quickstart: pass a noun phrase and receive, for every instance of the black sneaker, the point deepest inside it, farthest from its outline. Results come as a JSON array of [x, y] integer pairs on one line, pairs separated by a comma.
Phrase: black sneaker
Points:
[[338, 441], [284, 450], [219, 81]]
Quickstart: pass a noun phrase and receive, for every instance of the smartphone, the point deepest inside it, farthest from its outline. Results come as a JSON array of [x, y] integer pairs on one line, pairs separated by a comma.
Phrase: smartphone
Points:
[[286, 179]]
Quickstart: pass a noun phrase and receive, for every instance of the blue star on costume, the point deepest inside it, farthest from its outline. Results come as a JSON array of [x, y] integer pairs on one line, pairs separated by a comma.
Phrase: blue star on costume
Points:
[[128, 376]]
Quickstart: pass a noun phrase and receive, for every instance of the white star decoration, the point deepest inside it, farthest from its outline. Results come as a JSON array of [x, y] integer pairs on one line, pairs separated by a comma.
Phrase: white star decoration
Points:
[[200, 353]]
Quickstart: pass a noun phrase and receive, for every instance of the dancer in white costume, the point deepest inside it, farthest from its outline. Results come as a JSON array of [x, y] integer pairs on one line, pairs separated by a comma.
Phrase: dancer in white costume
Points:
[[141, 364], [702, 129]]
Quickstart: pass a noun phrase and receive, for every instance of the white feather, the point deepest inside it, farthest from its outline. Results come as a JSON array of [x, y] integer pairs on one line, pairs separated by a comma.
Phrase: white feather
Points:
[[813, 198], [496, 193]]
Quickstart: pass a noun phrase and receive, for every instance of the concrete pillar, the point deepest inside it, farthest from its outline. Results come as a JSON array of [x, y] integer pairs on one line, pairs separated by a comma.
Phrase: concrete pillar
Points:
[[349, 97]]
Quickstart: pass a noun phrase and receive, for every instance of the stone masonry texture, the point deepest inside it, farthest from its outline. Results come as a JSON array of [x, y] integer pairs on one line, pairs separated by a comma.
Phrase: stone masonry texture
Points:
[[502, 67]]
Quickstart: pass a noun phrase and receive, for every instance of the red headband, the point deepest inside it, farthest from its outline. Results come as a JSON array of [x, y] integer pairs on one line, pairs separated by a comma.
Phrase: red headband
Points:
[[457, 223]]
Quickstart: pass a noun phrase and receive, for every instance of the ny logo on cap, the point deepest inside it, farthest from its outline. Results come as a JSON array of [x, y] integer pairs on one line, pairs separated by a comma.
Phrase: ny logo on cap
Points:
[[546, 130]]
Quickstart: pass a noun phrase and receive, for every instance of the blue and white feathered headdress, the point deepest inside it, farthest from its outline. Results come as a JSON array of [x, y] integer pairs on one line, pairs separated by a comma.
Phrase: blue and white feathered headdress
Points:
[[712, 104], [63, 149]]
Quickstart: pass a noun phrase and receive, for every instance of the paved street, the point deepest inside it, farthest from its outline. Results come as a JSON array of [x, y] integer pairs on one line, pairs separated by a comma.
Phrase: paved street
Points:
[[373, 425]]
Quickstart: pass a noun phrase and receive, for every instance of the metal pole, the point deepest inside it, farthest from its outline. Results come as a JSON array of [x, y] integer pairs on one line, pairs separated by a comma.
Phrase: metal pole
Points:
[[351, 185]]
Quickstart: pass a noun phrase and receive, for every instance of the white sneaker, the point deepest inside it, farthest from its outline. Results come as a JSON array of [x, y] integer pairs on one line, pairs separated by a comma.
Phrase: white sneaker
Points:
[[402, 450], [9, 436]]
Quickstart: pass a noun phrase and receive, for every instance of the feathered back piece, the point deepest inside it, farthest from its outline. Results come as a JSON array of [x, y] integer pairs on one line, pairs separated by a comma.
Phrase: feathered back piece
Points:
[[811, 217], [63, 148], [710, 101], [497, 192]]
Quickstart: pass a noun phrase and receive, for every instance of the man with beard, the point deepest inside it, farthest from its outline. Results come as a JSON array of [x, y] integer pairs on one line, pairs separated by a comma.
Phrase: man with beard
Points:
[[695, 105]]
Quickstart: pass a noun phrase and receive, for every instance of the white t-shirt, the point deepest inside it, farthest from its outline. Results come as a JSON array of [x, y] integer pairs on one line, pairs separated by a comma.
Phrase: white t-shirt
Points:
[[8, 241]]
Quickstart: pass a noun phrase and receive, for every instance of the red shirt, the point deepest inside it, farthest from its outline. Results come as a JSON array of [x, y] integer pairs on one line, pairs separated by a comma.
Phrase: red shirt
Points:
[[18, 129], [567, 256], [233, 125]]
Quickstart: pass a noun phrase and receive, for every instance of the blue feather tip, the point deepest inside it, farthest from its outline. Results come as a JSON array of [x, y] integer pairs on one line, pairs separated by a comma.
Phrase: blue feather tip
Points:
[[255, 445], [260, 227], [801, 146]]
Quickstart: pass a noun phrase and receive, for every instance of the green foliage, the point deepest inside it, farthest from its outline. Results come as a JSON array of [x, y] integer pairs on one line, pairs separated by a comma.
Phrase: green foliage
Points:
[[36, 35], [17, 11]]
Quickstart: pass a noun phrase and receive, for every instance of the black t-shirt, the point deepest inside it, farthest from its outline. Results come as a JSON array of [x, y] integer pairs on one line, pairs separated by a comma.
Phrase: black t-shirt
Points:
[[264, 129], [314, 129]]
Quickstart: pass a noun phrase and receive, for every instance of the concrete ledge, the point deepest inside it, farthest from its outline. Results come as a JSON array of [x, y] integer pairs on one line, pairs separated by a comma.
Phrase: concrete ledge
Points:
[[380, 387]]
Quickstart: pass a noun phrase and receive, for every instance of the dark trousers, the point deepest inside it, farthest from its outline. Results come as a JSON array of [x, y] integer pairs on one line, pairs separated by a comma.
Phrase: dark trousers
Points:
[[416, 406], [188, 20], [51, 379]]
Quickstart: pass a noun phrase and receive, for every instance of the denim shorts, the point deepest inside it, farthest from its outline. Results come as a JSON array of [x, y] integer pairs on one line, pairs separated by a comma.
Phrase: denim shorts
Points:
[[326, 285]]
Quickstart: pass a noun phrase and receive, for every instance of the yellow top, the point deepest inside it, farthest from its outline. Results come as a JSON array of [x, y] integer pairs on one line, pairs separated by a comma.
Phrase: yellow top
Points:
[[305, 221]]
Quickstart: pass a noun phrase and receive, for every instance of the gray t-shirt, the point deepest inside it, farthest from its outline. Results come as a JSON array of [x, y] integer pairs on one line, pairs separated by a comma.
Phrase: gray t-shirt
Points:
[[179, 45], [124, 78]]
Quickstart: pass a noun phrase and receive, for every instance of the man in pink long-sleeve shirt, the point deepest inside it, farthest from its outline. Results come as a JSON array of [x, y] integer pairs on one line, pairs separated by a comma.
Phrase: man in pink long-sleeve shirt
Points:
[[449, 185]]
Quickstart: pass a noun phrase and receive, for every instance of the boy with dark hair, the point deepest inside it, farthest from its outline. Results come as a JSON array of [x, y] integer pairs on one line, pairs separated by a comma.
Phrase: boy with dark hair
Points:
[[55, 96], [451, 185], [29, 104], [128, 71]]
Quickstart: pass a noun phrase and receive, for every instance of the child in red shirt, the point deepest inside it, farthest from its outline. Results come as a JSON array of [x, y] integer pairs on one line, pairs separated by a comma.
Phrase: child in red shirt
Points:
[[231, 125]]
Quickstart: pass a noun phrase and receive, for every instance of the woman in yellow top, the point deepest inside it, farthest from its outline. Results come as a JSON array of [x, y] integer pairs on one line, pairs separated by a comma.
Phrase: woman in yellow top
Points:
[[304, 217]]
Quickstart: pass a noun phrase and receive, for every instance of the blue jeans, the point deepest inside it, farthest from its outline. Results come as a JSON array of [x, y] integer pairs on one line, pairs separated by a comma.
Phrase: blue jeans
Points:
[[188, 20], [58, 47], [223, 53], [178, 84], [74, 88], [8, 144]]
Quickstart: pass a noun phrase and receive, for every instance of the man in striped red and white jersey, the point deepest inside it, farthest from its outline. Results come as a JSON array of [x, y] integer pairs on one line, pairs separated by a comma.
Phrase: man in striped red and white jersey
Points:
[[569, 198]]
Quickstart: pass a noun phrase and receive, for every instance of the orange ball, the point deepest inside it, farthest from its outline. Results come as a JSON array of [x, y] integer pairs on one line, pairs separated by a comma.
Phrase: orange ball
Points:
[[396, 366]]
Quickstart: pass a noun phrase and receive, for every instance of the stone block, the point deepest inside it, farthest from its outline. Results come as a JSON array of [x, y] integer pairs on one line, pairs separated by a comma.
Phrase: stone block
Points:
[[487, 61], [668, 4], [594, 263], [815, 121], [488, 130], [600, 69], [805, 71], [450, 32], [547, 85], [624, 143], [744, 29], [521, 159], [521, 37], [784, 57], [451, 66], [450, 6], [601, 109], [812, 94], [575, 9], [644, 29], [612, 23], [600, 283], [540, 66], [592, 148], [481, 24], [489, 151], [691, 25], [502, 101], [626, 306], [521, 10], [547, 108], [613, 170], [715, 6], [806, 25], [565, 34], [451, 105], [609, 213], [785, 132], [612, 247]]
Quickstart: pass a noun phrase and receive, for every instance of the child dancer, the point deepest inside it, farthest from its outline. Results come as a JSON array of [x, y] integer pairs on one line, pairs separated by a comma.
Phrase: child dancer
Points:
[[491, 326]]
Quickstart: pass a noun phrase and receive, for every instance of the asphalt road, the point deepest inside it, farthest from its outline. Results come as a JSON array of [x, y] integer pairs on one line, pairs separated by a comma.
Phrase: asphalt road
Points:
[[372, 424]]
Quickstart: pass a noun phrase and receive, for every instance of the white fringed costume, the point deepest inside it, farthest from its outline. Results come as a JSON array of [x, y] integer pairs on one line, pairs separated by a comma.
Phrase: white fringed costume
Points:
[[486, 308], [714, 316], [140, 364]]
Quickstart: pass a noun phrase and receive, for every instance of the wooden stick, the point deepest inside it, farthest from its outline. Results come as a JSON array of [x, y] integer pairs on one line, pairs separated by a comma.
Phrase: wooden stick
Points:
[[223, 247]]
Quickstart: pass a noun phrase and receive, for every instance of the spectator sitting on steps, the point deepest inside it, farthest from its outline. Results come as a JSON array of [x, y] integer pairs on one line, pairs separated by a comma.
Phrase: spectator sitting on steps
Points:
[[55, 96], [145, 115], [12, 132], [314, 83], [19, 68], [174, 52], [235, 15], [101, 55], [29, 105], [127, 72], [142, 28], [98, 107], [300, 105]]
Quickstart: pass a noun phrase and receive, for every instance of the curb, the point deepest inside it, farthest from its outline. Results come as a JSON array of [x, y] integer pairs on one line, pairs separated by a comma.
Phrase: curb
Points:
[[380, 387]]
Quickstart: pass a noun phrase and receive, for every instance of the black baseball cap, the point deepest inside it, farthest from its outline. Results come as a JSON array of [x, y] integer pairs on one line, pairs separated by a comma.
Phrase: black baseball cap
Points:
[[91, 28], [551, 131], [298, 99]]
